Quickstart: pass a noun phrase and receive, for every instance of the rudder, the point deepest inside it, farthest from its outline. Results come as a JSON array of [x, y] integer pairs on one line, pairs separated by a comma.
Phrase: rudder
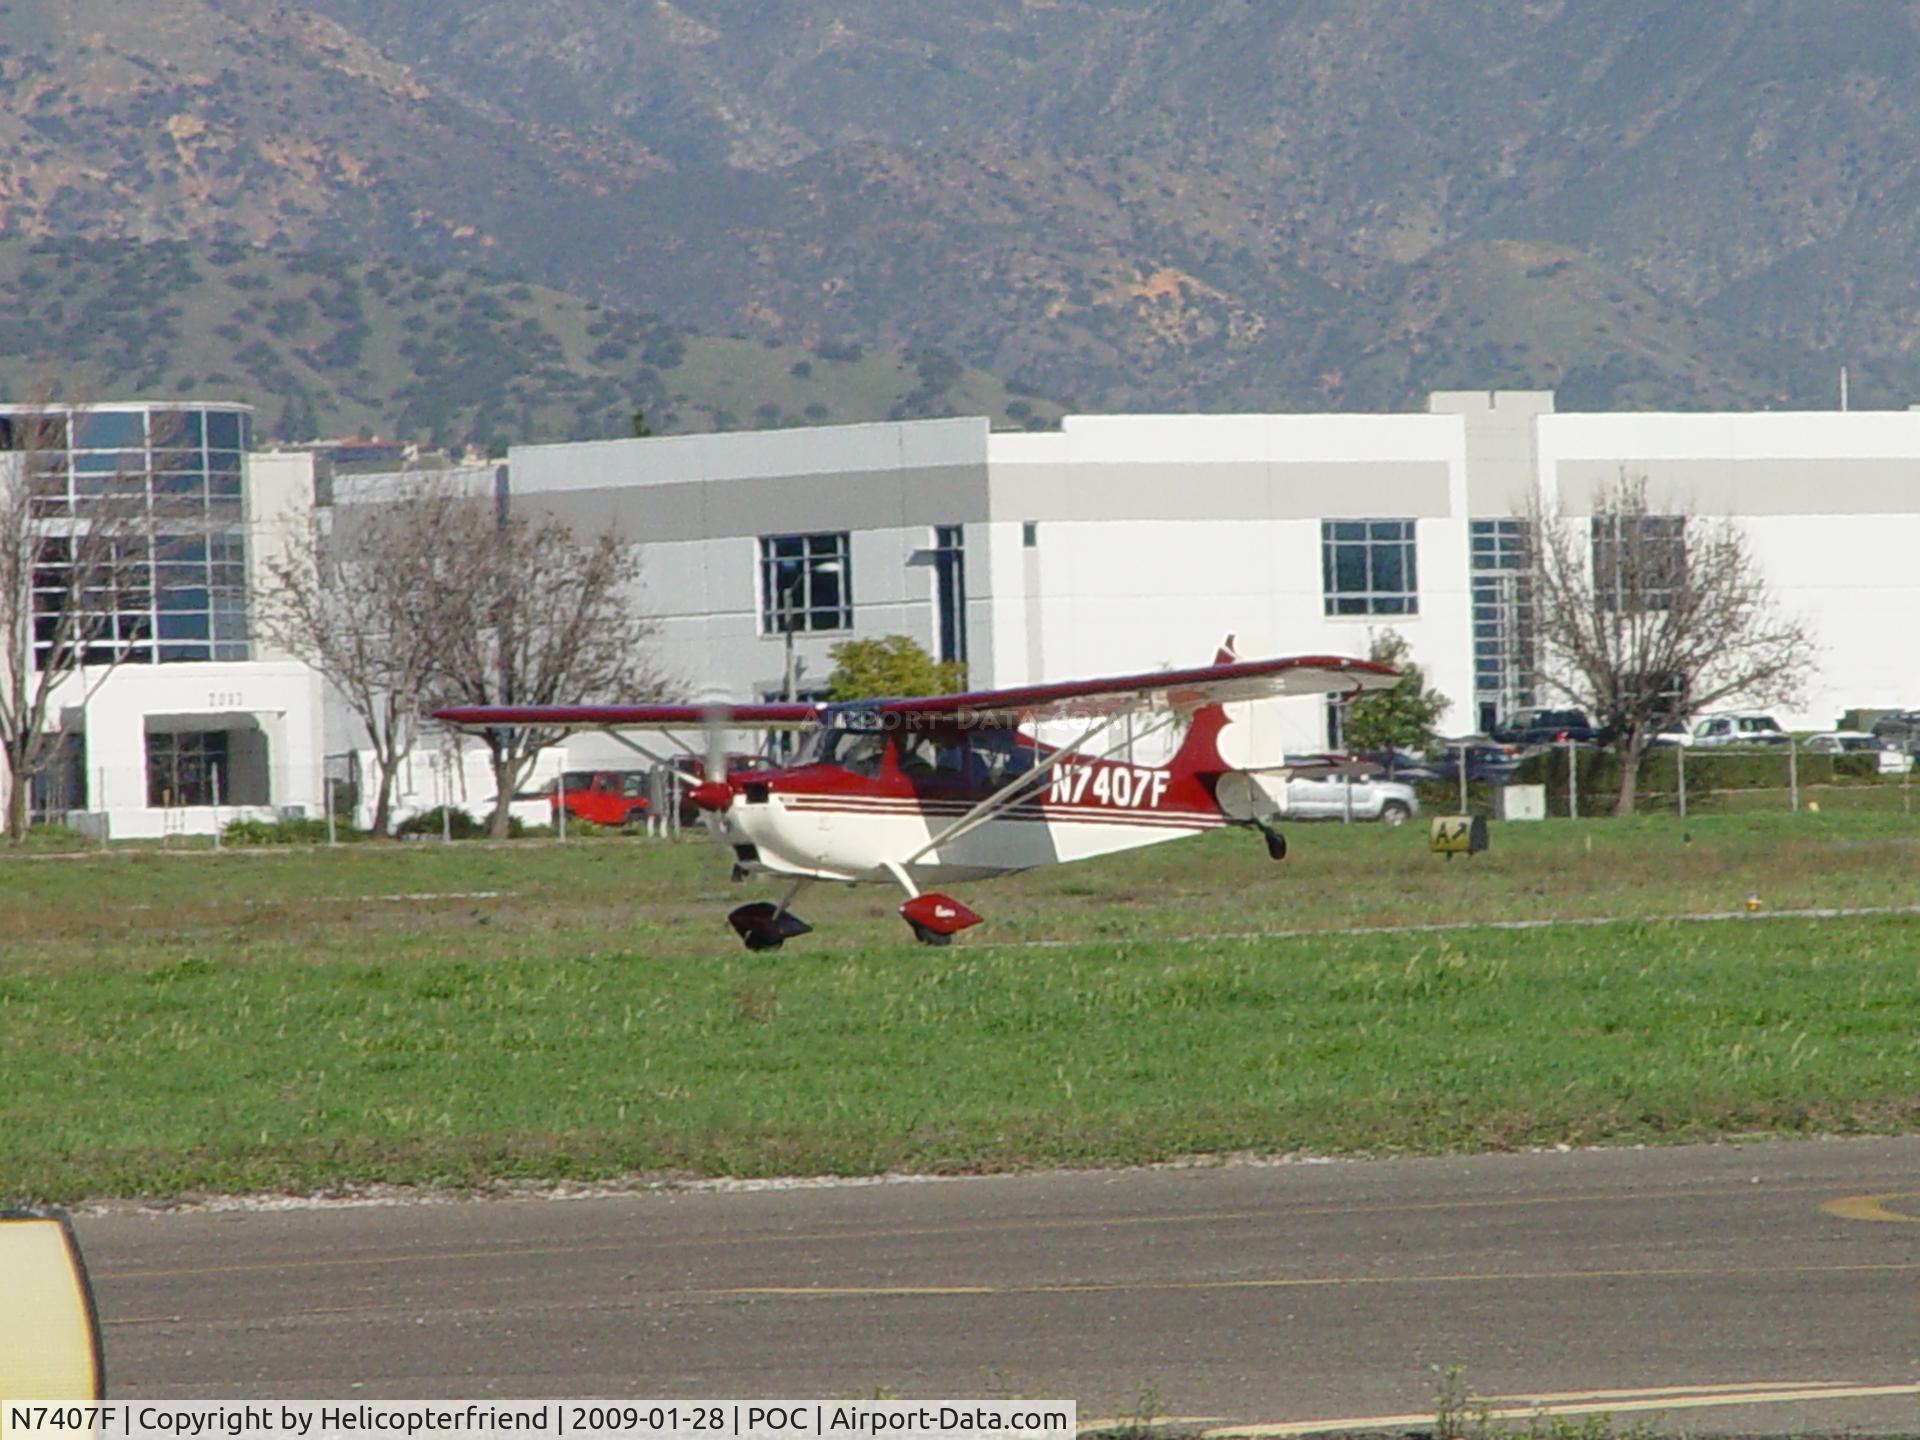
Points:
[[1199, 751]]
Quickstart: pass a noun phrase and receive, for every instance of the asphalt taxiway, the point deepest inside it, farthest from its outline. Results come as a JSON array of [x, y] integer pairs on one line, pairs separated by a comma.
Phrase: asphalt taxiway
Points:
[[1767, 1287]]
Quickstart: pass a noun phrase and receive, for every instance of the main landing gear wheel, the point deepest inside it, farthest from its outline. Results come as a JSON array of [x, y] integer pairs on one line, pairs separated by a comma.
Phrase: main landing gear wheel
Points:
[[764, 925], [936, 919]]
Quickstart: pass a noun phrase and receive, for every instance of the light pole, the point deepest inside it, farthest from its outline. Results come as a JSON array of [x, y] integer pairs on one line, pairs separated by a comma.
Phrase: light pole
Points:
[[825, 567]]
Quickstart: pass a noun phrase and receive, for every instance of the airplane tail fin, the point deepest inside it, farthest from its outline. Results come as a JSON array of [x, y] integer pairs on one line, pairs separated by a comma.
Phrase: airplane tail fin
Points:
[[1199, 751]]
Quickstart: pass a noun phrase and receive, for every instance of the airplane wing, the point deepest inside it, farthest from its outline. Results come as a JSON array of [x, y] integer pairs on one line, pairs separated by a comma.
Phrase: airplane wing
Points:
[[1226, 683], [795, 716], [1220, 684]]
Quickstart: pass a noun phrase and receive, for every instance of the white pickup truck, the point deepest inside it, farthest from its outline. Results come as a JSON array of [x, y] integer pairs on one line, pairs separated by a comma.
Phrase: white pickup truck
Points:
[[1391, 802]]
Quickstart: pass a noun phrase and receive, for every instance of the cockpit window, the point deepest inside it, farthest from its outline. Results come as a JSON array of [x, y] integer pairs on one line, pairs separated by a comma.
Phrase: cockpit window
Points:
[[984, 758], [859, 751], [1001, 755], [933, 757]]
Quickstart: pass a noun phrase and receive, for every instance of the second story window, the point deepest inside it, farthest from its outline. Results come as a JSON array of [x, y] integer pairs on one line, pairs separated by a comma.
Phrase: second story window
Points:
[[1639, 561], [806, 583], [1367, 567]]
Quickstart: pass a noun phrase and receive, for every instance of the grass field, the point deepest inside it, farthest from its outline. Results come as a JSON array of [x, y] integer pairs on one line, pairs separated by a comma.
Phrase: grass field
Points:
[[458, 1015]]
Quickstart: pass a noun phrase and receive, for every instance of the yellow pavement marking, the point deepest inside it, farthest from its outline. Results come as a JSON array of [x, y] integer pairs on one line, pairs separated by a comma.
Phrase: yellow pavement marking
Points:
[[1872, 1207], [1684, 1399], [1278, 1214]]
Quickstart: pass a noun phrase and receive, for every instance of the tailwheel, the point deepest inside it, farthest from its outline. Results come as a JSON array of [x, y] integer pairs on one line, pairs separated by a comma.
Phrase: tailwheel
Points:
[[935, 919], [766, 926], [1276, 842]]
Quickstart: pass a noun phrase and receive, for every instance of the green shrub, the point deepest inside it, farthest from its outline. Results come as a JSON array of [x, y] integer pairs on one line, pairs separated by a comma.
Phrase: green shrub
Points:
[[460, 825], [456, 822], [1709, 772], [241, 833], [56, 837]]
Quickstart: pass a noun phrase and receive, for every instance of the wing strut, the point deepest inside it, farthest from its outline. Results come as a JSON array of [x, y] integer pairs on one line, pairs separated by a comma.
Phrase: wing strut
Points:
[[669, 762]]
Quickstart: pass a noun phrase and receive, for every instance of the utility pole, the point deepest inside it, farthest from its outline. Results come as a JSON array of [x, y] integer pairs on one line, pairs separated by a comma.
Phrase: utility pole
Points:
[[790, 677], [786, 632]]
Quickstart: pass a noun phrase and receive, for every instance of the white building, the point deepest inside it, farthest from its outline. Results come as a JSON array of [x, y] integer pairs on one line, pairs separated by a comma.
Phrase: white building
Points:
[[1128, 543], [1830, 500], [199, 721]]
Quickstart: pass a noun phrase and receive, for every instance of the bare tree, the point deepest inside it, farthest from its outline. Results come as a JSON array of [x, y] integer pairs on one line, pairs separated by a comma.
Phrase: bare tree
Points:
[[1647, 617], [76, 584], [349, 599], [527, 613]]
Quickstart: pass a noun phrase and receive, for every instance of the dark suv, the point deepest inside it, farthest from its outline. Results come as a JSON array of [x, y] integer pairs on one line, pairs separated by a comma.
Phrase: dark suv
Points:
[[1545, 727]]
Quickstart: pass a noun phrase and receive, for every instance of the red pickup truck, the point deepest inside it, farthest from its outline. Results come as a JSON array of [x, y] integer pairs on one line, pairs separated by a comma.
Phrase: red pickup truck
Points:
[[619, 797], [604, 797]]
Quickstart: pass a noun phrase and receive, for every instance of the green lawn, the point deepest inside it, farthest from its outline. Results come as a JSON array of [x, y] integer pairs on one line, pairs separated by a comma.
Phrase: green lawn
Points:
[[173, 1023]]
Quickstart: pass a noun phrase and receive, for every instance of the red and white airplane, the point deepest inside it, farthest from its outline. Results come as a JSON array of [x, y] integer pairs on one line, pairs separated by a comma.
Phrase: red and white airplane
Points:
[[950, 788]]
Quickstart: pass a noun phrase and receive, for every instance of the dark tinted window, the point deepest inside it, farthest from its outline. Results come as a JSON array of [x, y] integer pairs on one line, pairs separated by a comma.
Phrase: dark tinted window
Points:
[[224, 430], [33, 432], [177, 427], [110, 430]]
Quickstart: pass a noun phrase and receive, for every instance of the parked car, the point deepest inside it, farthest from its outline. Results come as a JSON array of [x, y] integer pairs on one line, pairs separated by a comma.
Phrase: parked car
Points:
[[1843, 742], [1724, 730], [1545, 727], [1328, 797], [1902, 728], [1488, 761], [1407, 765]]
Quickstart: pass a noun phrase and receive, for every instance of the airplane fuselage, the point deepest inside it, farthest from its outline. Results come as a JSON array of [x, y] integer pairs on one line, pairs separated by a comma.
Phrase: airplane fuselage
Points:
[[827, 822]]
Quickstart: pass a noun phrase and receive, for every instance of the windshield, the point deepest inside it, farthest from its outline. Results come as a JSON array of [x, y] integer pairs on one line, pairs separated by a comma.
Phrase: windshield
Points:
[[859, 751], [985, 757]]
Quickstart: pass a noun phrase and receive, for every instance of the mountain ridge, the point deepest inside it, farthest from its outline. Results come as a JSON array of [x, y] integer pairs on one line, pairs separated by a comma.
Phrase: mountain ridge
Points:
[[1125, 204], [323, 346]]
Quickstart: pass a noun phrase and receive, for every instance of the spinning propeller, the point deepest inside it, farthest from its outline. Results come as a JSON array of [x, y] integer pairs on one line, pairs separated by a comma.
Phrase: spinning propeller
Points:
[[714, 794]]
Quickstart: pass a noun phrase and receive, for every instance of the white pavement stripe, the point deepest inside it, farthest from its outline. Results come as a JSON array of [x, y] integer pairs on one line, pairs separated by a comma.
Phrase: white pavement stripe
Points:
[[1660, 1400], [1448, 927]]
